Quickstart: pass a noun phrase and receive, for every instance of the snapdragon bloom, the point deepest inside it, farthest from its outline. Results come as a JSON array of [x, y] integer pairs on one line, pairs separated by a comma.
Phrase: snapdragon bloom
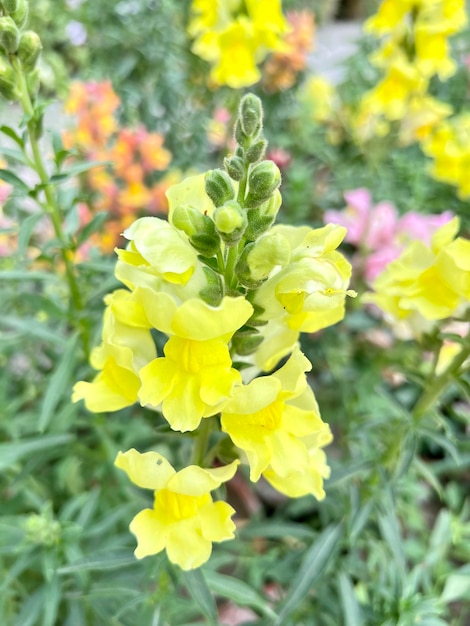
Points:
[[184, 520]]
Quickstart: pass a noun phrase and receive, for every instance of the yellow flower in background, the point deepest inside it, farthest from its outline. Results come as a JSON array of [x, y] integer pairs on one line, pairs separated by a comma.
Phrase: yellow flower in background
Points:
[[184, 519], [424, 114], [449, 147], [389, 15], [126, 347], [319, 95], [275, 421], [426, 284], [235, 37]]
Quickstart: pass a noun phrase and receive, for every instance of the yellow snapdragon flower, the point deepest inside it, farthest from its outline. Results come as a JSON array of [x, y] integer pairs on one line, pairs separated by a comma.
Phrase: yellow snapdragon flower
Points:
[[184, 520], [126, 347], [426, 283], [309, 293], [235, 37], [275, 421]]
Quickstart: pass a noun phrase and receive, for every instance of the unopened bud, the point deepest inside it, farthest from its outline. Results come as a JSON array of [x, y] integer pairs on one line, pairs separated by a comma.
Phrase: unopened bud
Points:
[[242, 269], [29, 49], [219, 187], [263, 181], [242, 139], [235, 168], [246, 340], [261, 218], [9, 35], [7, 80], [256, 151], [213, 292], [10, 6], [20, 15], [199, 228], [230, 221], [251, 114]]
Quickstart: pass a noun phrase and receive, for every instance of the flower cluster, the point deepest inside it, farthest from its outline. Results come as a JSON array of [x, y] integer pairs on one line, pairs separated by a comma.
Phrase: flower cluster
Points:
[[281, 69], [232, 293], [235, 36], [129, 185], [377, 231], [449, 146], [415, 47], [426, 283]]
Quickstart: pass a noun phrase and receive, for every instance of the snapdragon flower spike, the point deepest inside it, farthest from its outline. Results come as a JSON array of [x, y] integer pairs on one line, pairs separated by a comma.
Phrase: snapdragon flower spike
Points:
[[184, 520]]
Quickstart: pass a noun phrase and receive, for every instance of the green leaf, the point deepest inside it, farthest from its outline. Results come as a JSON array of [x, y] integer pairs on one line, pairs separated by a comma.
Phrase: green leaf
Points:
[[237, 591], [200, 592], [13, 452], [351, 608], [6, 130], [52, 598], [314, 561], [31, 327], [74, 170], [11, 153], [457, 585], [107, 561], [92, 226], [12, 179], [26, 230], [58, 383], [275, 529]]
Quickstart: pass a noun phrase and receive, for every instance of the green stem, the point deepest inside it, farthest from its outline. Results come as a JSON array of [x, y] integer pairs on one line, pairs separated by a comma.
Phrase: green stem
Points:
[[231, 261], [202, 439], [437, 384], [51, 207]]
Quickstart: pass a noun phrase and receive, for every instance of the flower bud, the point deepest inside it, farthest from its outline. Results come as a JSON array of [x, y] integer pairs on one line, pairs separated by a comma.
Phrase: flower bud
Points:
[[29, 49], [213, 292], [241, 137], [9, 35], [263, 181], [251, 115], [230, 221], [10, 6], [20, 15], [246, 340], [219, 187], [199, 228], [262, 217], [242, 269], [7, 80], [256, 151], [235, 168]]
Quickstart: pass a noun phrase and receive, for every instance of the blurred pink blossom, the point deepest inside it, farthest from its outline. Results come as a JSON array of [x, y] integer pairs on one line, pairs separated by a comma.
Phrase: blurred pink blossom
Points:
[[377, 231]]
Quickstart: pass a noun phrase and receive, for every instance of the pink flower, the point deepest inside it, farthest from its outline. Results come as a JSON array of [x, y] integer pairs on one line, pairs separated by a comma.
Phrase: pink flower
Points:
[[416, 226]]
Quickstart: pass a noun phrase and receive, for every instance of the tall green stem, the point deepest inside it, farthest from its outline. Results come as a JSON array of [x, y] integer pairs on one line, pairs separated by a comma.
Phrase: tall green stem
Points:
[[52, 209], [437, 384], [202, 439]]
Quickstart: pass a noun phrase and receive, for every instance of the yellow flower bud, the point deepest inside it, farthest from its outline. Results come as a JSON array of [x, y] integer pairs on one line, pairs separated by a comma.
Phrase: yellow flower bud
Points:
[[230, 221]]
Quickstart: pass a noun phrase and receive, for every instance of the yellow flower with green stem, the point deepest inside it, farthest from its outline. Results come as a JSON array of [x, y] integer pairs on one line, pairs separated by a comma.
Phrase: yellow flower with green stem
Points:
[[275, 421], [184, 520]]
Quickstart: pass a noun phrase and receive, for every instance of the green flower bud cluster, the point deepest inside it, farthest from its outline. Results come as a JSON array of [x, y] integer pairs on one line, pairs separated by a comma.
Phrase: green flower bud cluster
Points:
[[19, 51]]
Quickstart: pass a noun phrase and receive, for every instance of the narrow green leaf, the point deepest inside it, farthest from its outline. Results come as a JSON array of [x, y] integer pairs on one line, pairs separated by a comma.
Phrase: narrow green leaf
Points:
[[12, 275], [74, 170], [31, 327], [58, 383], [6, 130], [12, 153], [52, 597], [314, 561], [107, 561], [92, 226], [26, 230], [390, 531], [11, 453], [201, 594], [14, 180], [275, 529], [237, 591], [457, 585], [351, 609]]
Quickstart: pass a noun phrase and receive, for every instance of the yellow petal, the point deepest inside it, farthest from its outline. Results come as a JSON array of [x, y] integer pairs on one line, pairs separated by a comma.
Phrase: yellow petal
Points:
[[149, 470]]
